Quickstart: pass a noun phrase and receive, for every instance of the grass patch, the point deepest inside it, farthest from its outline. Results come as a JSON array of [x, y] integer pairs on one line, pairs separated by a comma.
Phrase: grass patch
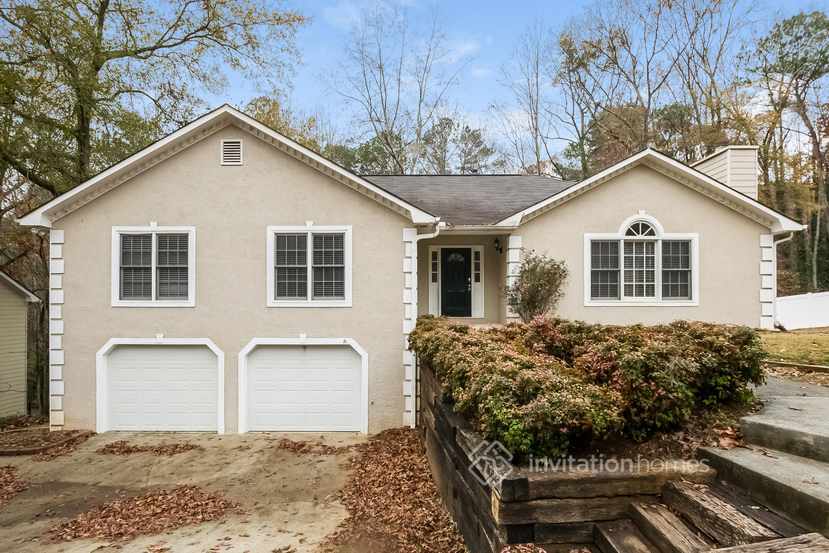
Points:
[[809, 347]]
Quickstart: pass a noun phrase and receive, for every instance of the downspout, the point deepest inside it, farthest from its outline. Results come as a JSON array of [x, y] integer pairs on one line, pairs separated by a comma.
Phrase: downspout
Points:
[[777, 243], [416, 369]]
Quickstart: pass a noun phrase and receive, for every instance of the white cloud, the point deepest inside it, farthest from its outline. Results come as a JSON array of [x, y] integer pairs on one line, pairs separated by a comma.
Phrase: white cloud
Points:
[[343, 14], [460, 49], [481, 72]]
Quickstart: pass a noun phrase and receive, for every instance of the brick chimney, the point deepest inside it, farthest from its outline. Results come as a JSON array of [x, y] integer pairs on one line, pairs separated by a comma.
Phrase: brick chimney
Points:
[[735, 166]]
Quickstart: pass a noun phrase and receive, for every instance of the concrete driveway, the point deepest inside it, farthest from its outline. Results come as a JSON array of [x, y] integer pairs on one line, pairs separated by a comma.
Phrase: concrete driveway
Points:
[[289, 499]]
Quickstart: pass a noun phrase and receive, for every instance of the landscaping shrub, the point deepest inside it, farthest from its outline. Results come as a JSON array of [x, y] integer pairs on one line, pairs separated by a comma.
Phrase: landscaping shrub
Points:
[[538, 286], [552, 386]]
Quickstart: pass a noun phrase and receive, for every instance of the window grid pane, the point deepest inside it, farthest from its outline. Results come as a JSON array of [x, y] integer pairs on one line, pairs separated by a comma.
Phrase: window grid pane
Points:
[[135, 280], [604, 275], [291, 271], [329, 265], [640, 269], [172, 271], [676, 269]]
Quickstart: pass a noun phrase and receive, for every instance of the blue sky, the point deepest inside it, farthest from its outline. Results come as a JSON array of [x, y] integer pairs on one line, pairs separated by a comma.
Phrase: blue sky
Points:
[[480, 34]]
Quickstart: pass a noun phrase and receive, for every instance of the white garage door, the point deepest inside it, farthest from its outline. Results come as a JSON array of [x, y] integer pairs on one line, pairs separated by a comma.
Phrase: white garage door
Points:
[[304, 388], [162, 387]]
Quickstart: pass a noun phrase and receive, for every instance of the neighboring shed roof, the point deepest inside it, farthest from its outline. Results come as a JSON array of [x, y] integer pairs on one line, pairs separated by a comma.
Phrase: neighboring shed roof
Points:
[[27, 294], [471, 199]]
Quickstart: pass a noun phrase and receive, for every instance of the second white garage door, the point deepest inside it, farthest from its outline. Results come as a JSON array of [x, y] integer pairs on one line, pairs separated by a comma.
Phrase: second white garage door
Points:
[[304, 388], [164, 387]]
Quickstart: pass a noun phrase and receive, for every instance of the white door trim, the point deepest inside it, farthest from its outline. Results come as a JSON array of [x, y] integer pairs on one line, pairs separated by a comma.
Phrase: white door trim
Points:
[[101, 422], [250, 346], [478, 290]]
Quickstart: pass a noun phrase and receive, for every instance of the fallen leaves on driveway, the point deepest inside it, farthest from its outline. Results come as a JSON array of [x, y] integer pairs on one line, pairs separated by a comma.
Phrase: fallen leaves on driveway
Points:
[[310, 448], [123, 447], [63, 449], [151, 513], [10, 484], [393, 504]]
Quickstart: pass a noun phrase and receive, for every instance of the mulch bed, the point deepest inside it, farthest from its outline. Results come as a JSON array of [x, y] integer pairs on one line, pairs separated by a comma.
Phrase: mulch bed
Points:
[[393, 505], [152, 513], [10, 484], [793, 373], [22, 421], [310, 448], [25, 441], [123, 447]]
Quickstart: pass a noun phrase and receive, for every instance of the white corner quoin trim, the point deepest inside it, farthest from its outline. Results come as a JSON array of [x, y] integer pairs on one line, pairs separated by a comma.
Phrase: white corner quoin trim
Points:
[[101, 422], [154, 229], [242, 380], [272, 231]]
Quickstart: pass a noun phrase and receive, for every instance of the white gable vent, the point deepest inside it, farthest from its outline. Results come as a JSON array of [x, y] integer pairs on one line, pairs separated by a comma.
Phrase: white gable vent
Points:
[[232, 152]]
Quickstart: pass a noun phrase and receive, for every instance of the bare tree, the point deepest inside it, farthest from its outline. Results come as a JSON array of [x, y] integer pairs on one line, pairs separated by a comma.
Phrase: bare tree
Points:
[[398, 82]]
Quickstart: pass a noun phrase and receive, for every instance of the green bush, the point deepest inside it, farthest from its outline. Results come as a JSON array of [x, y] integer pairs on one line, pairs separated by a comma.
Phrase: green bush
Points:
[[538, 286], [552, 386]]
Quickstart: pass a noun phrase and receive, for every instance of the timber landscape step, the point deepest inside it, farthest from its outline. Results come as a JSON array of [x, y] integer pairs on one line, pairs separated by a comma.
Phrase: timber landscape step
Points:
[[718, 518], [792, 486], [664, 529], [796, 425], [805, 543], [621, 536]]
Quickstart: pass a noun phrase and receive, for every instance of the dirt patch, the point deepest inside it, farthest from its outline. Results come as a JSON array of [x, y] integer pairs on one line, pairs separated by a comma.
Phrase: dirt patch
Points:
[[26, 441], [793, 373], [65, 448], [392, 502], [123, 447], [311, 448], [10, 485], [151, 513]]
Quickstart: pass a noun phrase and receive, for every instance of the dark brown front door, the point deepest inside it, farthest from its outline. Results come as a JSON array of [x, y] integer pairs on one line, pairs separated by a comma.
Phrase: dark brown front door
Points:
[[456, 282]]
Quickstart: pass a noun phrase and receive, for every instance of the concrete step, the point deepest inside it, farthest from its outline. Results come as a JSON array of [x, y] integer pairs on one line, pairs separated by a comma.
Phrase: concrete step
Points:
[[718, 518], [796, 425], [621, 536], [795, 487], [666, 530], [806, 543]]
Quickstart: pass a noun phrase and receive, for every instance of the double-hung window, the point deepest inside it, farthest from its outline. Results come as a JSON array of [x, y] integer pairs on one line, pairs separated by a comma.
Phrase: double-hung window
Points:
[[153, 266], [641, 265], [309, 266]]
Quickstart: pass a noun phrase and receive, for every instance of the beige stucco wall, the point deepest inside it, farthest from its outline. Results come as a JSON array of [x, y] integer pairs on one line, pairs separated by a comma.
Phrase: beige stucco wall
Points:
[[231, 208], [494, 273], [13, 310], [729, 247]]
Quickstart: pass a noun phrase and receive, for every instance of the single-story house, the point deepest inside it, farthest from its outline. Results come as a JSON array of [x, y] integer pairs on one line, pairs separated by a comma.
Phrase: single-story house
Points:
[[14, 311], [226, 278]]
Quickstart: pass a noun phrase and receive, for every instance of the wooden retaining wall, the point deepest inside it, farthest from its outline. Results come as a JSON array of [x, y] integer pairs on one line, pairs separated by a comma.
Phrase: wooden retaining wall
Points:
[[555, 509]]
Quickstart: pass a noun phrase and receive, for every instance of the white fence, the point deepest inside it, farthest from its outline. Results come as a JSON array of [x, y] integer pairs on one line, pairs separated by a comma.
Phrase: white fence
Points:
[[803, 311]]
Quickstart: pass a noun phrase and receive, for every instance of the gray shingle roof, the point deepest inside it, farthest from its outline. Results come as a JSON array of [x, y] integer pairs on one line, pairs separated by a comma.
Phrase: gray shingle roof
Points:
[[470, 199]]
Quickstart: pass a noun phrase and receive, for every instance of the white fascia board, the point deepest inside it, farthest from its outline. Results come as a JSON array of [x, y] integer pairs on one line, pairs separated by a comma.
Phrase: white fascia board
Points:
[[40, 216], [417, 215], [781, 223], [17, 287]]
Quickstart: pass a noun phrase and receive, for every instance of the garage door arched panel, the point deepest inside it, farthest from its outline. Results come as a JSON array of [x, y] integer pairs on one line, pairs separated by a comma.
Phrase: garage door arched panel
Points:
[[303, 385], [160, 385]]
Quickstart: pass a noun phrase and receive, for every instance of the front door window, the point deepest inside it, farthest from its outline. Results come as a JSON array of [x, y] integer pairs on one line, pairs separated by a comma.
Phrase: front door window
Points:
[[456, 282]]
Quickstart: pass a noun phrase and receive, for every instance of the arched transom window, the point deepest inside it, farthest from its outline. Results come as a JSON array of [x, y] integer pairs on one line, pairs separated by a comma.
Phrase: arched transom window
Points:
[[641, 264]]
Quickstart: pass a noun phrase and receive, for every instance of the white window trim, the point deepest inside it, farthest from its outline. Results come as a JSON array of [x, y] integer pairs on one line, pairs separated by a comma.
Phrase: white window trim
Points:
[[478, 288], [102, 365], [154, 229], [241, 152], [309, 229], [658, 301], [242, 371]]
